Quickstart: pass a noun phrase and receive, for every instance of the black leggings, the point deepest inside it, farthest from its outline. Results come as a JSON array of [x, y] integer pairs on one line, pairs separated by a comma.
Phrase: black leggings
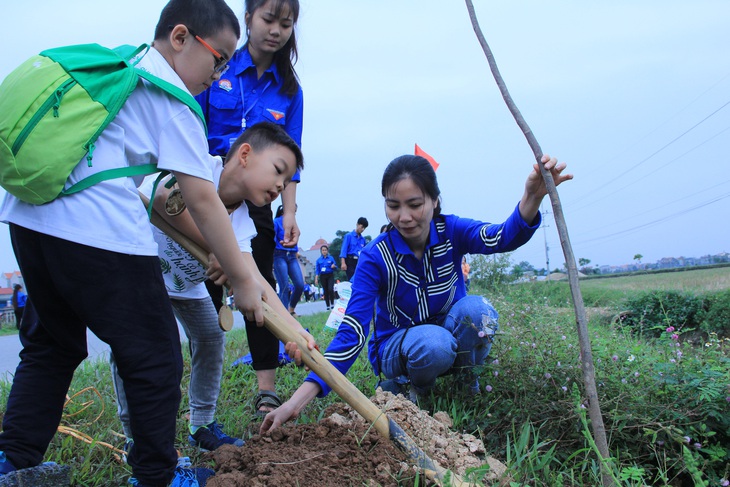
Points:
[[262, 344], [328, 282]]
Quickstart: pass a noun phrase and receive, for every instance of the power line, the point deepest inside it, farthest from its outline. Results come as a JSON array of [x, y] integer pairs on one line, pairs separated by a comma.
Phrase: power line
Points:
[[655, 152], [613, 236], [667, 120], [636, 215], [664, 166]]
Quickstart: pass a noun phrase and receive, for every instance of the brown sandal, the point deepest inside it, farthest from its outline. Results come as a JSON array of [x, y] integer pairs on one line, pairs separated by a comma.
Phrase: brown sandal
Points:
[[266, 399]]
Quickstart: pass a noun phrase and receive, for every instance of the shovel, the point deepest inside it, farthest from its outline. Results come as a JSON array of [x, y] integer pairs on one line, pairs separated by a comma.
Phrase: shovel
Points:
[[324, 369]]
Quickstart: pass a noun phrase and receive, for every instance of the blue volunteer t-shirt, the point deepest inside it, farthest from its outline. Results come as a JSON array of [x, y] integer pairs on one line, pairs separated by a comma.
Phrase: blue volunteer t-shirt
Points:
[[240, 99]]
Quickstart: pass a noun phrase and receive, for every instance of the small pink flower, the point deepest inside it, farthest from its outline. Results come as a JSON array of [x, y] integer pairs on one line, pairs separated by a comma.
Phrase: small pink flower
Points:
[[724, 482], [563, 337], [547, 375], [614, 357], [565, 389], [496, 373], [697, 445], [687, 439], [675, 336], [670, 329], [488, 388], [495, 361], [636, 374]]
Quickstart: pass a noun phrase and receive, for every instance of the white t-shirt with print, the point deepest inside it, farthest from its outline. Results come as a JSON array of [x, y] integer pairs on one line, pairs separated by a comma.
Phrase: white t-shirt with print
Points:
[[151, 127], [183, 274]]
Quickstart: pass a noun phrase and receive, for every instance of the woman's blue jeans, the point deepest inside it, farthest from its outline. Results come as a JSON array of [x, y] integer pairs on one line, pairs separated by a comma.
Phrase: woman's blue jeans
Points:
[[286, 265], [459, 342]]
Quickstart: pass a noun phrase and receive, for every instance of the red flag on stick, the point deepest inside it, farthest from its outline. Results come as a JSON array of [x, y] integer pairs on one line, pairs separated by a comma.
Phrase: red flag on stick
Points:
[[420, 152]]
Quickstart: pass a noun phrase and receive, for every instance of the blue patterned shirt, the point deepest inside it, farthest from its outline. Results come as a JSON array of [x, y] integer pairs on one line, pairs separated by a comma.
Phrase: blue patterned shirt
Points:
[[410, 291]]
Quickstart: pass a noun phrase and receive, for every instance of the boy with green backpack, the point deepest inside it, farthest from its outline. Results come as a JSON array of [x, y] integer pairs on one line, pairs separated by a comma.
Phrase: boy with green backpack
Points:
[[90, 260]]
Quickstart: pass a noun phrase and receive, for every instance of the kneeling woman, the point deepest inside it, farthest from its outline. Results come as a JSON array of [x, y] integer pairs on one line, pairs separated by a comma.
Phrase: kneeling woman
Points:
[[425, 324]]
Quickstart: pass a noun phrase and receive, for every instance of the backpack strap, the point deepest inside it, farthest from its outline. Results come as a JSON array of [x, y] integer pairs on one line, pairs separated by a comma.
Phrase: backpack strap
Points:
[[128, 53], [182, 95], [131, 55]]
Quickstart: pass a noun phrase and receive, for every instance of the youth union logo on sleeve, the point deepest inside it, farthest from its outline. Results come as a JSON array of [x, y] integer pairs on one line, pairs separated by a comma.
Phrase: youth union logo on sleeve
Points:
[[225, 84]]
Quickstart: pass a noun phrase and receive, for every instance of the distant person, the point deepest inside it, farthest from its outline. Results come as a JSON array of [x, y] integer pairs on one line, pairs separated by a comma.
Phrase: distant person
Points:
[[383, 228], [286, 266], [352, 245], [324, 274], [261, 85], [426, 325], [89, 259], [465, 268], [308, 292], [18, 301]]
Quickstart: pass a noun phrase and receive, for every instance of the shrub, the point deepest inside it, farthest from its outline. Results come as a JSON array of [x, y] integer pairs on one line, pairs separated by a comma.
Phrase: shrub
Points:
[[648, 314], [717, 318]]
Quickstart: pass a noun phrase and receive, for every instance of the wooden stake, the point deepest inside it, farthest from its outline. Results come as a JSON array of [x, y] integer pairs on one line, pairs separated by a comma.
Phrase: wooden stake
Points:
[[589, 379]]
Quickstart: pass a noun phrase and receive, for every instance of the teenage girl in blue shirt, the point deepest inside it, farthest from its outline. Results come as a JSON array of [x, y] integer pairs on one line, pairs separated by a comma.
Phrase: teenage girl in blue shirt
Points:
[[260, 85], [425, 324]]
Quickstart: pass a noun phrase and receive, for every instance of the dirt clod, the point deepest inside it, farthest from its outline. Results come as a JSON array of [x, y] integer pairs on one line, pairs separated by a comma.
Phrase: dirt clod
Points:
[[343, 450]]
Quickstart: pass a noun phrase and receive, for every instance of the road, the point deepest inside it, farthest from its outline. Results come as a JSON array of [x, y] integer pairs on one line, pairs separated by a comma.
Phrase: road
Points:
[[10, 345]]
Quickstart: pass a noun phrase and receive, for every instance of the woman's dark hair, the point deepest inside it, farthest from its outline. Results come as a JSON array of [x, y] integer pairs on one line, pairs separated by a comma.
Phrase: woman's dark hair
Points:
[[279, 211], [286, 57], [205, 17], [324, 247], [421, 173]]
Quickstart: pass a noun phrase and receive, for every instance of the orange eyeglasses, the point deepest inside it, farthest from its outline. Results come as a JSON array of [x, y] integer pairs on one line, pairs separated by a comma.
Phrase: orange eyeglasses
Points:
[[221, 63]]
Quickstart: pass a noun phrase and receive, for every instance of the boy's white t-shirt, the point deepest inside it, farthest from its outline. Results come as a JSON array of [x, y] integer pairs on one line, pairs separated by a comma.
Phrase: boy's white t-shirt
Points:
[[151, 127], [183, 274]]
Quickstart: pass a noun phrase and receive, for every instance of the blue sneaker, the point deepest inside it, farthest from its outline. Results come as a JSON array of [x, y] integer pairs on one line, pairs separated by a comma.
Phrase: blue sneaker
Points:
[[127, 448], [210, 437], [184, 477], [5, 465]]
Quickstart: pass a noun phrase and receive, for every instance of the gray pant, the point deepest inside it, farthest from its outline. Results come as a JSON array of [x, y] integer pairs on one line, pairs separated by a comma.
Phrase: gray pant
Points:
[[207, 347]]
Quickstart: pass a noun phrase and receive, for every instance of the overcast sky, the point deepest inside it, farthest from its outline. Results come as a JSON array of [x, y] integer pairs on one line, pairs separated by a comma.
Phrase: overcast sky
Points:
[[632, 95]]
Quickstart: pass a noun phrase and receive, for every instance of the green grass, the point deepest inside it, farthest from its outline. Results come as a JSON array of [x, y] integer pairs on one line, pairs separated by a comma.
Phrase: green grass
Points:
[[665, 403]]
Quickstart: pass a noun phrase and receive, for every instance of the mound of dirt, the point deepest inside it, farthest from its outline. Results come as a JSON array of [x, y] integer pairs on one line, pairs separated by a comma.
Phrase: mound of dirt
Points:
[[343, 450]]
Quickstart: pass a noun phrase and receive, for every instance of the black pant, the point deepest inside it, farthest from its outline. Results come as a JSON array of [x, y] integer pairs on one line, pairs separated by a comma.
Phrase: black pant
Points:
[[122, 299], [262, 344], [328, 282], [351, 263], [18, 316]]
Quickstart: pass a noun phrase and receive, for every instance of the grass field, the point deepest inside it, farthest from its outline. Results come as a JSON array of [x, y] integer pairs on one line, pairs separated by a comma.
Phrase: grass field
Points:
[[665, 402], [691, 280]]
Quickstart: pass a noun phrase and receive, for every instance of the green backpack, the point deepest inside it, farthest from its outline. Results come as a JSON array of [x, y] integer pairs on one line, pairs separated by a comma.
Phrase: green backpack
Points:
[[55, 105]]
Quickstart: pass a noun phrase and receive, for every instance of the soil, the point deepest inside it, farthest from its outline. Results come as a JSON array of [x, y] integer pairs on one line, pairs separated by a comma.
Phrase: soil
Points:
[[341, 450]]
